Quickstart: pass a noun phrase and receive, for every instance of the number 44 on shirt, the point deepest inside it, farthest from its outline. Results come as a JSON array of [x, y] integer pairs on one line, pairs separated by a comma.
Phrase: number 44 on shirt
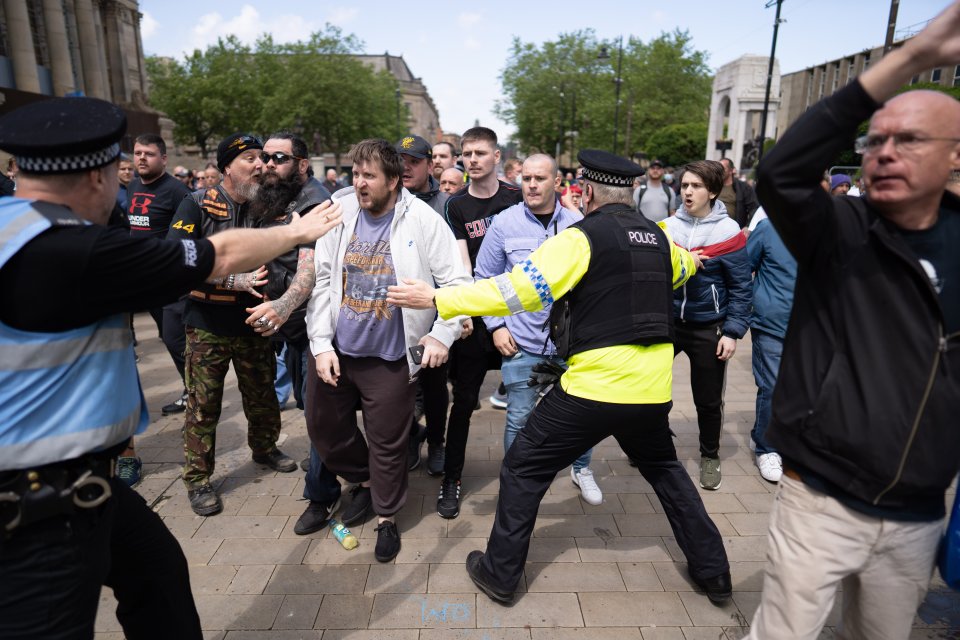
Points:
[[186, 227]]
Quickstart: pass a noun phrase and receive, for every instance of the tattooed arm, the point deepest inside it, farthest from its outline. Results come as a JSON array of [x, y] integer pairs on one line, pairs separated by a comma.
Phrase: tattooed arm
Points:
[[276, 312]]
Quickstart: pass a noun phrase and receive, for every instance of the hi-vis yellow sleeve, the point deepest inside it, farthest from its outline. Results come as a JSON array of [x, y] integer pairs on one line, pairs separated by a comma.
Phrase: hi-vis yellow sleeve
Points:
[[549, 273], [680, 258]]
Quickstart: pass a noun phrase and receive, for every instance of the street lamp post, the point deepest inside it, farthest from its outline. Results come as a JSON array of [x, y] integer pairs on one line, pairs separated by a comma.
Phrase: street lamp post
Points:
[[766, 96], [399, 130], [605, 55]]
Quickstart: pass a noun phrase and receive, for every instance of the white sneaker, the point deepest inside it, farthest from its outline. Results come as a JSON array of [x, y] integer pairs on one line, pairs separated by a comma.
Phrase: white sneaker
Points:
[[589, 490], [498, 400], [771, 466]]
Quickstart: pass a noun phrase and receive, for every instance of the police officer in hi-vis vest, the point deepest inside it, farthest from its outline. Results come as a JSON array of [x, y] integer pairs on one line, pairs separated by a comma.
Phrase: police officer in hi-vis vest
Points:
[[70, 395], [612, 322]]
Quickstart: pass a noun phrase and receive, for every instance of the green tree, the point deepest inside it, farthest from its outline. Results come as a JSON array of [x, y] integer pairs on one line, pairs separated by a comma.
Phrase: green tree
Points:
[[677, 144], [551, 91], [666, 82], [317, 88], [209, 95], [562, 86], [330, 95]]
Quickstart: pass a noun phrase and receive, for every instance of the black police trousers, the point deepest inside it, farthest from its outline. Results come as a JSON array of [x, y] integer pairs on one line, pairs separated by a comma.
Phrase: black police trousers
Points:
[[558, 431], [51, 572]]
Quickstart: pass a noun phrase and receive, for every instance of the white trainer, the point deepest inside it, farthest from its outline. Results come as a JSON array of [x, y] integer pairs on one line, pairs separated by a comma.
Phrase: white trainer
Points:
[[771, 466], [589, 490]]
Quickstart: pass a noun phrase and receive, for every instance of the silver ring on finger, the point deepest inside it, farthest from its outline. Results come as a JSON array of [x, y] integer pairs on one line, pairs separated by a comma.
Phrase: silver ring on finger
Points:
[[262, 321]]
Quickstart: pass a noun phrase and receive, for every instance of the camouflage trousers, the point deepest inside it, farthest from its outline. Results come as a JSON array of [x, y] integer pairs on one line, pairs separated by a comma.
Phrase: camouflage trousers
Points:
[[208, 358]]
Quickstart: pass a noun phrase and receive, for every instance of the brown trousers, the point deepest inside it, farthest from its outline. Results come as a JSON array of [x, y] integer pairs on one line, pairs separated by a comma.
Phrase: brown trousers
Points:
[[385, 394]]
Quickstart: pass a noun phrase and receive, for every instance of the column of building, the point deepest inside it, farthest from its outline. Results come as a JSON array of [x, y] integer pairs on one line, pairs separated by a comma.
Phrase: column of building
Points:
[[20, 38], [94, 70], [57, 45], [114, 51]]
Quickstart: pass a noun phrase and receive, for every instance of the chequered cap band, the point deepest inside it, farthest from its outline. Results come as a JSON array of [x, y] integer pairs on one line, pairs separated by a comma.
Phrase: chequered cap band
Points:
[[607, 178], [68, 164]]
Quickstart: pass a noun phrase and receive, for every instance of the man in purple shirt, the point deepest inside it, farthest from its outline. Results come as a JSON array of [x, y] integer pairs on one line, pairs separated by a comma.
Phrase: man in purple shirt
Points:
[[523, 339]]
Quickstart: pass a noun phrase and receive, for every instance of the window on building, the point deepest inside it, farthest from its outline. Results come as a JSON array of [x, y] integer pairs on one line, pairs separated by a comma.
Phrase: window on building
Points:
[[915, 79], [956, 76], [851, 69], [935, 75], [823, 82], [836, 76], [866, 60], [809, 88]]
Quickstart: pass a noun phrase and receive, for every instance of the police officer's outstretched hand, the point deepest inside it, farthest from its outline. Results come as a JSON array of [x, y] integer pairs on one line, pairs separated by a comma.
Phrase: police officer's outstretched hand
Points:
[[316, 222], [412, 294], [503, 341], [545, 373]]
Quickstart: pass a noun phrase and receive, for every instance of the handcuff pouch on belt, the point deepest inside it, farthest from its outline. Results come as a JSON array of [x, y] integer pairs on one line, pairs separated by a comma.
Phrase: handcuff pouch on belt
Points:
[[32, 495]]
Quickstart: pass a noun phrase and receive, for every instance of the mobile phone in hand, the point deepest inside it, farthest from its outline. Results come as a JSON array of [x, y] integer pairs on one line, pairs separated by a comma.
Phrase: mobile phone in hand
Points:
[[416, 353]]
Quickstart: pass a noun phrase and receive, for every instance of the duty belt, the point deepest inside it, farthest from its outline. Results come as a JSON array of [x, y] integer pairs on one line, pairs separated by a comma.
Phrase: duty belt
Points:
[[32, 495]]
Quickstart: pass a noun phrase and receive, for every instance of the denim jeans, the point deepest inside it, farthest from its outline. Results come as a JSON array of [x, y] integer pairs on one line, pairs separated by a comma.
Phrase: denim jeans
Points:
[[521, 398], [283, 384], [767, 349]]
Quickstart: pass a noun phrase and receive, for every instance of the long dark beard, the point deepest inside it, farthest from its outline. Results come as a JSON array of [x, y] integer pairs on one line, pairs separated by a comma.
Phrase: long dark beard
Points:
[[272, 198]]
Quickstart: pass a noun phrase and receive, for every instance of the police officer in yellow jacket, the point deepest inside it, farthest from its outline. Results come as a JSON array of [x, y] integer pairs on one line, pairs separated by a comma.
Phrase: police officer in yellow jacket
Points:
[[612, 321]]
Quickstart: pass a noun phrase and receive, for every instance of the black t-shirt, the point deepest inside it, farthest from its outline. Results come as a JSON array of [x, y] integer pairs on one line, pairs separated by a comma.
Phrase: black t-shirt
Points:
[[938, 249], [470, 216], [150, 207], [69, 277], [544, 218]]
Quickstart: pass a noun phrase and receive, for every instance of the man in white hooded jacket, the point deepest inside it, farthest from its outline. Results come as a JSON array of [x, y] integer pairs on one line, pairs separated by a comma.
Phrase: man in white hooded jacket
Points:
[[366, 351]]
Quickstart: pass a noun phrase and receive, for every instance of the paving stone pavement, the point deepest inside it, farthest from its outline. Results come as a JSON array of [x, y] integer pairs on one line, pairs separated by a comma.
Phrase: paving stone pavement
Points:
[[606, 572]]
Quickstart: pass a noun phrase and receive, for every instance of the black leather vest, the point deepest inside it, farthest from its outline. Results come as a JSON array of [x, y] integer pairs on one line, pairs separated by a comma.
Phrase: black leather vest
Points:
[[626, 296], [219, 214], [282, 269]]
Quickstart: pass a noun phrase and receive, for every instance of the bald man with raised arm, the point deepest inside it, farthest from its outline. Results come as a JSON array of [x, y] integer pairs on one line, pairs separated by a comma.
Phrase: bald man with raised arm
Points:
[[864, 411]]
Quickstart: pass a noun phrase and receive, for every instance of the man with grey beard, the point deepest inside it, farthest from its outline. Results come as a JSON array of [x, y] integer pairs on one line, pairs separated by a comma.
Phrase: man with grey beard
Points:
[[218, 332]]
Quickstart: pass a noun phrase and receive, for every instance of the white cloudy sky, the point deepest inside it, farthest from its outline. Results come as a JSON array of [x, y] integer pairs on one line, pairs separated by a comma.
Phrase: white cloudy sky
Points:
[[459, 49]]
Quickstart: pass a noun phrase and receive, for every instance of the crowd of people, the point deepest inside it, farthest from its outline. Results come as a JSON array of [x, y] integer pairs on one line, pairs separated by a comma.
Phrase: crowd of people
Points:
[[395, 295]]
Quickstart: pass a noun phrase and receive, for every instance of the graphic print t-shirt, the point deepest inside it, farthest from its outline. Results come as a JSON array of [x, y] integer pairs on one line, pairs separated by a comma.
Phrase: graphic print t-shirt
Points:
[[368, 326], [470, 216], [150, 207]]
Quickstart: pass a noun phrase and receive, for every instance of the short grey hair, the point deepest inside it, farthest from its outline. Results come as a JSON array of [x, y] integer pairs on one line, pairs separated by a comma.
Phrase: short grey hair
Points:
[[609, 194]]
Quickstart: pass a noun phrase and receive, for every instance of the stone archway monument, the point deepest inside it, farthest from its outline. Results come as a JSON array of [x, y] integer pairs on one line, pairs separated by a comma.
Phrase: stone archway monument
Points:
[[736, 109]]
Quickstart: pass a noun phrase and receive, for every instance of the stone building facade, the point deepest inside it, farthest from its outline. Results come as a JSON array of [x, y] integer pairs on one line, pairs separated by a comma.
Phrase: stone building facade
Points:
[[736, 108], [804, 88], [75, 47]]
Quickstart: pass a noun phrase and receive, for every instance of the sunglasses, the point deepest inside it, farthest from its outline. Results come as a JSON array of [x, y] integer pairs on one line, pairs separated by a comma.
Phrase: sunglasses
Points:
[[278, 158]]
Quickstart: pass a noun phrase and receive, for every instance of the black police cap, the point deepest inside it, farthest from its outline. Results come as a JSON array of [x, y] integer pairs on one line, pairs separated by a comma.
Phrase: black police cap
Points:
[[63, 135], [603, 167]]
